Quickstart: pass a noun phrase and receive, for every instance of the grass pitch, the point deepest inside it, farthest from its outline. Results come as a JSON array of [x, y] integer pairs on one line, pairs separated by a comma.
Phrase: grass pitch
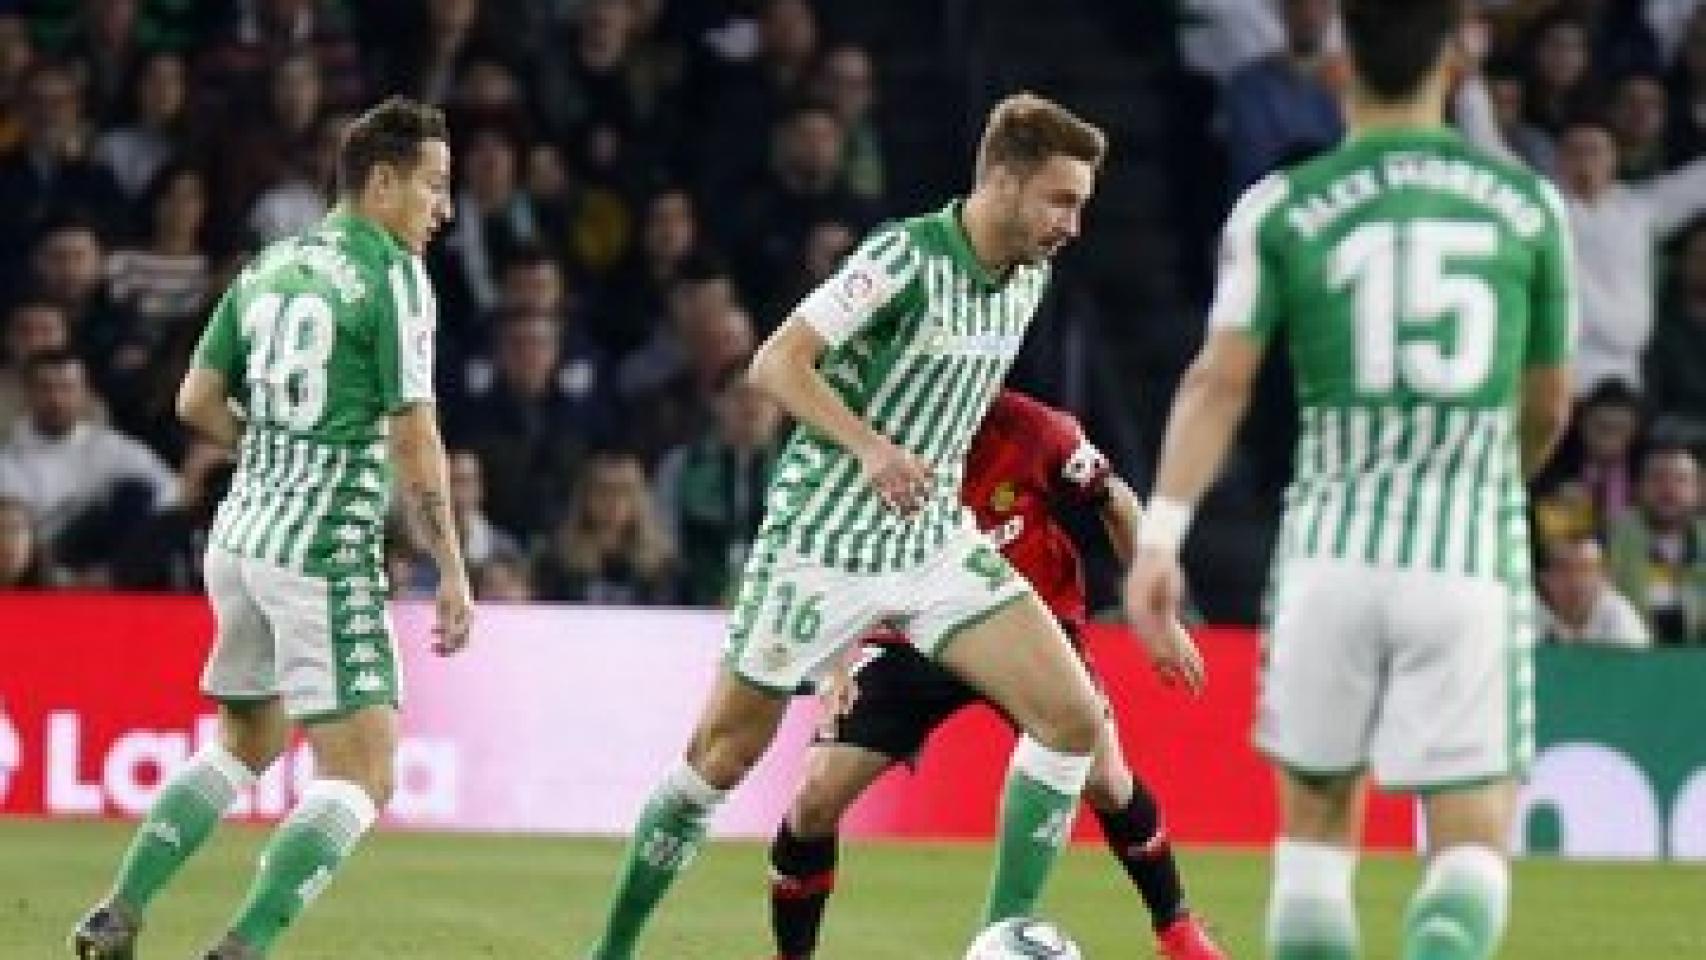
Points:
[[438, 897]]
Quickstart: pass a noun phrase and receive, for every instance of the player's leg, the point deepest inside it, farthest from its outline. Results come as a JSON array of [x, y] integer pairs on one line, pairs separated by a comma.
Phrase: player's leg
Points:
[[339, 677], [898, 699], [793, 616], [987, 627], [1456, 730], [252, 732], [1132, 826], [804, 852], [1321, 692], [1463, 903], [735, 728]]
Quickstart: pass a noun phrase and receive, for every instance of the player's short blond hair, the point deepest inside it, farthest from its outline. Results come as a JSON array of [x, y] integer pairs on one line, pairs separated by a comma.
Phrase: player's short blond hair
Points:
[[1025, 130]]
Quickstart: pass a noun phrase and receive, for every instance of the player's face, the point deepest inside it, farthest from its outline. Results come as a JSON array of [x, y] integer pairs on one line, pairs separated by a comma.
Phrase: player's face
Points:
[[1047, 208], [423, 196]]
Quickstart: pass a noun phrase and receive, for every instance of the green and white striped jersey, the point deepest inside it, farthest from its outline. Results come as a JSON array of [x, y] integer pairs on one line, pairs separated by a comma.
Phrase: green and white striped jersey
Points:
[[920, 338], [320, 338], [1417, 280]]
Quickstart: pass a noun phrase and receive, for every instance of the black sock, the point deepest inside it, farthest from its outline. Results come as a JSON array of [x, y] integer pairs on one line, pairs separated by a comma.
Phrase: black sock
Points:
[[801, 879], [1135, 836]]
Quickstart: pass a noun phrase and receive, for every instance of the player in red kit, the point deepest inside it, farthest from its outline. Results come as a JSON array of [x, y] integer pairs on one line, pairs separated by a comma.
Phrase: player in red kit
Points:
[[1027, 461]]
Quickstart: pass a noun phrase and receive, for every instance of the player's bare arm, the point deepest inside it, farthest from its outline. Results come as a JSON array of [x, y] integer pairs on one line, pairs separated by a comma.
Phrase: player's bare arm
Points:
[[417, 450], [1206, 413], [1173, 652], [1545, 415], [204, 404], [785, 367]]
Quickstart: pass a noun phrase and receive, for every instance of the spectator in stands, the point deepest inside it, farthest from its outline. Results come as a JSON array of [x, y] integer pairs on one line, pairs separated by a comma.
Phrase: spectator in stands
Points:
[[105, 41], [1558, 71], [1614, 227], [275, 143], [51, 170], [494, 216], [1280, 107], [610, 546], [481, 541], [427, 61], [165, 551], [165, 280], [637, 293], [846, 80], [256, 35], [1505, 86], [596, 88], [745, 95], [1638, 119], [1687, 84], [1657, 552], [157, 130], [23, 561], [583, 213], [530, 425], [1676, 361], [1581, 605], [504, 578], [33, 327], [299, 196], [17, 53], [803, 187], [74, 471], [711, 491], [826, 245], [1591, 482], [68, 268]]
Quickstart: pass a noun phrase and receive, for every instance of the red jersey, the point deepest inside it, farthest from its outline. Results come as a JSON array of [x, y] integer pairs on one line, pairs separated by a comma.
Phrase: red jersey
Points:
[[1028, 459]]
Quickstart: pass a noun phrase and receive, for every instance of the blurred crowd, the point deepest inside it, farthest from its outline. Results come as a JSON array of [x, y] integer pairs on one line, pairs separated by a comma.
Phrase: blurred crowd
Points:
[[641, 190]]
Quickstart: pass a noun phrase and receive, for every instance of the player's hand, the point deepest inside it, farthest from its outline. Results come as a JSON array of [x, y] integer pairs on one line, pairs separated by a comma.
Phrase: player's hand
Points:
[[1177, 659], [1153, 588], [899, 477], [455, 615], [835, 697]]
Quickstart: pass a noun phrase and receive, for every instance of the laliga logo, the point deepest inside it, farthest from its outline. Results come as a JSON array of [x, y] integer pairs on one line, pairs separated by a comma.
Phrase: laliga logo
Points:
[[11, 752]]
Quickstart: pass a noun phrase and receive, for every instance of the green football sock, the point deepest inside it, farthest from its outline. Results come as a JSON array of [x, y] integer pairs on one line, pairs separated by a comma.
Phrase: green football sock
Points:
[[301, 858], [1459, 911], [1037, 805], [1310, 913], [669, 833], [183, 816]]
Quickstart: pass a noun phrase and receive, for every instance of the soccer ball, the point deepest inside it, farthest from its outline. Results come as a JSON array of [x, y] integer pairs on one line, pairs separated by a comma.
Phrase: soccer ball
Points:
[[1021, 938]]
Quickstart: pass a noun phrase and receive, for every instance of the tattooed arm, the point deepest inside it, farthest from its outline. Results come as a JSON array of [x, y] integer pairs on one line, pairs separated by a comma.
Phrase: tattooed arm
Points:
[[423, 482]]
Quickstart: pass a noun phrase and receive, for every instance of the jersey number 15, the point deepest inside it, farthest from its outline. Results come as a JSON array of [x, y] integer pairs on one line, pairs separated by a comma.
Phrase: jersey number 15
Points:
[[1400, 277]]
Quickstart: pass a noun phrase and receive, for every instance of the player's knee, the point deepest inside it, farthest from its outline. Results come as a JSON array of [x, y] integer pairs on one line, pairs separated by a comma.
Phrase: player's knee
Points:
[[723, 758], [1108, 788], [817, 810], [1074, 727]]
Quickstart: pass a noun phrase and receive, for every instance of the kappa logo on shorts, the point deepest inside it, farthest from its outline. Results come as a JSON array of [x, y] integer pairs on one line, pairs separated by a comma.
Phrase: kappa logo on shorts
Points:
[[368, 682], [363, 623], [346, 556], [361, 599], [775, 657], [349, 533], [363, 653], [363, 510]]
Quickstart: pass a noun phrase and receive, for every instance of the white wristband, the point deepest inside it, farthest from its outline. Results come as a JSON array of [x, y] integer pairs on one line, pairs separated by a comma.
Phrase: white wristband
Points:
[[1165, 524]]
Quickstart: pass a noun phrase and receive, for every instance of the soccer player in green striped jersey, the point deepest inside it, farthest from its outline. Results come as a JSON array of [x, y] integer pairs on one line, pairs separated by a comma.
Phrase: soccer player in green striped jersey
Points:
[[317, 367], [1426, 295], [888, 367]]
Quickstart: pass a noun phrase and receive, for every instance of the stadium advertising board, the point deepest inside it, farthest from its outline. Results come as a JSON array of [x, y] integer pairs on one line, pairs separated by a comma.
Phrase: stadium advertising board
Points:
[[560, 720]]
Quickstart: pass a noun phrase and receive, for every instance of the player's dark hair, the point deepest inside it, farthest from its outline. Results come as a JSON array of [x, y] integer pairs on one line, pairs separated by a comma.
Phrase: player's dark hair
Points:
[[390, 133], [1395, 43], [1025, 131]]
